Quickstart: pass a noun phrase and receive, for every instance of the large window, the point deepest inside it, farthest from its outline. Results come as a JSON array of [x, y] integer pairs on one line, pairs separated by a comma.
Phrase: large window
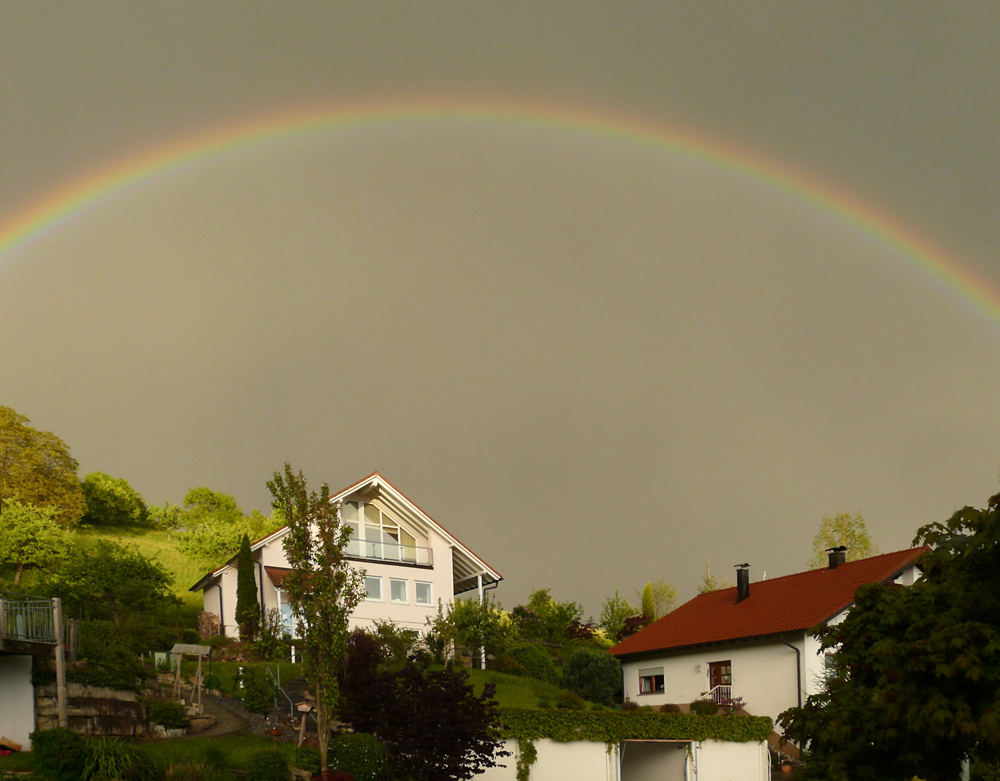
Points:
[[651, 680], [379, 536]]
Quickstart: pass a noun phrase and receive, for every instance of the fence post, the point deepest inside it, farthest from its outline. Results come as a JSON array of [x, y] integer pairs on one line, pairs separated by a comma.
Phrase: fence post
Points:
[[60, 663], [3, 621]]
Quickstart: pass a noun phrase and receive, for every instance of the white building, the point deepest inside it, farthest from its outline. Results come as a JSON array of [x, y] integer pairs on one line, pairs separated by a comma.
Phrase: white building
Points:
[[752, 642], [410, 562]]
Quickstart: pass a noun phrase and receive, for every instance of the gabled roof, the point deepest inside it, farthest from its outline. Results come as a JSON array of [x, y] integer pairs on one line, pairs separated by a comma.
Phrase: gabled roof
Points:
[[467, 565], [787, 604]]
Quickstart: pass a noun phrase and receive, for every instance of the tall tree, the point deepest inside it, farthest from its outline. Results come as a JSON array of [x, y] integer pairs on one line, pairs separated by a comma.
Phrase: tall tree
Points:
[[915, 671], [202, 505], [36, 468], [322, 587], [247, 606], [30, 537], [708, 582], [615, 611], [664, 597], [648, 604], [111, 501], [842, 529]]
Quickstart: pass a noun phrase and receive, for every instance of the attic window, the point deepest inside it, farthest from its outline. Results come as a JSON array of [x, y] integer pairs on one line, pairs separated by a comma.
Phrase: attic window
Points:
[[651, 680]]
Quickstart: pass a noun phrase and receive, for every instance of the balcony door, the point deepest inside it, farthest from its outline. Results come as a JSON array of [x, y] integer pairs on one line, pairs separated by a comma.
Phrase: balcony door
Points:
[[720, 674]]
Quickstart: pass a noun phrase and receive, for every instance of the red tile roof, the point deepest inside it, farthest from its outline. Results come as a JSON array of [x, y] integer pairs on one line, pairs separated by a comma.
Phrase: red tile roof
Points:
[[791, 603], [277, 575]]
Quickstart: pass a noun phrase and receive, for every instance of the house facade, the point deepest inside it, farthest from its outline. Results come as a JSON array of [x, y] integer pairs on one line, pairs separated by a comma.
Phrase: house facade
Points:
[[410, 563], [752, 642]]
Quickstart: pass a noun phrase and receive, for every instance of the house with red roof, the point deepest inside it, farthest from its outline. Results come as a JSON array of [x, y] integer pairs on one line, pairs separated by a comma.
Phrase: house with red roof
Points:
[[410, 563], [752, 642]]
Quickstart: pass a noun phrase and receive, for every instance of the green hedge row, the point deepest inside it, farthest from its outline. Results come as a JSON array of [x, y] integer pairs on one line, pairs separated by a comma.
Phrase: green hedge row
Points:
[[614, 726]]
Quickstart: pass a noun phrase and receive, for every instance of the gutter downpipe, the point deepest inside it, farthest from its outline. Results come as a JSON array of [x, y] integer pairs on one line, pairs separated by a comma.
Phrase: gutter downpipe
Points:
[[798, 667], [260, 583], [222, 611]]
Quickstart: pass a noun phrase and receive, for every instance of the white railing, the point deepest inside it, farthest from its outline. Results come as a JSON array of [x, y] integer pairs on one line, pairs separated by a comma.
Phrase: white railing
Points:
[[719, 694], [388, 551]]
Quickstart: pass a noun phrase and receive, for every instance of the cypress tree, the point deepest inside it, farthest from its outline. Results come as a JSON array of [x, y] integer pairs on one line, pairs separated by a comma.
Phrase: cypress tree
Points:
[[247, 606]]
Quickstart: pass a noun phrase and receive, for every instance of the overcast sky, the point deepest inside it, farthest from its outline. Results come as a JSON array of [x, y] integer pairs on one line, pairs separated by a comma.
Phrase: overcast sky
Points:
[[593, 360]]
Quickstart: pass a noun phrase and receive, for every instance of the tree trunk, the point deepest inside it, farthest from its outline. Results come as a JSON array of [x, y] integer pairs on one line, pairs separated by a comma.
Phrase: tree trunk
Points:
[[17, 575]]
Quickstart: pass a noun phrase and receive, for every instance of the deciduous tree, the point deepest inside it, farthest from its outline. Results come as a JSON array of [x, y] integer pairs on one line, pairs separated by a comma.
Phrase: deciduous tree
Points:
[[916, 671], [322, 587], [30, 537], [112, 501], [842, 529], [615, 611], [36, 468]]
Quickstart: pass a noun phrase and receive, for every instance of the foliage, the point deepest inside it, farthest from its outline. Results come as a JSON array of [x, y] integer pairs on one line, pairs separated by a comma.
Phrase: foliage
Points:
[[322, 587], [610, 726], [704, 707], [113, 578], [211, 682], [110, 660], [359, 754], [480, 625], [167, 517], [455, 735], [271, 643], [614, 612], [708, 581], [570, 701], [112, 501], [111, 758], [398, 644], [543, 618], [60, 754], [527, 754], [169, 714], [648, 605], [632, 625], [202, 505], [594, 676], [212, 541], [916, 670], [36, 468], [269, 764], [658, 598], [30, 537], [842, 529], [536, 662], [258, 694], [247, 607]]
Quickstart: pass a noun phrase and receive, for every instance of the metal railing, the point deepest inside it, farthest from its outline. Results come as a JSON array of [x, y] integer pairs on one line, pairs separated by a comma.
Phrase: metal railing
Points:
[[719, 694], [388, 551], [27, 619]]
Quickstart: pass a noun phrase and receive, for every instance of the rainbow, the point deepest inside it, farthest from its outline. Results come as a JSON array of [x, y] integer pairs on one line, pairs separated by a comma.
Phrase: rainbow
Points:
[[76, 198]]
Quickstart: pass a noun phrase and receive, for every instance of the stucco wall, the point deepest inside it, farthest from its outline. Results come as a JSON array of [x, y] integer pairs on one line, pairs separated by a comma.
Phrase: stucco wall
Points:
[[764, 673], [579, 761], [17, 716]]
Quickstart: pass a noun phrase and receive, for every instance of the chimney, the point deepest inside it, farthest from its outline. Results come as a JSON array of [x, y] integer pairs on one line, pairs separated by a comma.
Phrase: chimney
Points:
[[742, 582], [837, 556]]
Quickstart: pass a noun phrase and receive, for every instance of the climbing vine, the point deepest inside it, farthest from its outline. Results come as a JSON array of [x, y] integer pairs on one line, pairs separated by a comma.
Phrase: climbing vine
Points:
[[526, 756]]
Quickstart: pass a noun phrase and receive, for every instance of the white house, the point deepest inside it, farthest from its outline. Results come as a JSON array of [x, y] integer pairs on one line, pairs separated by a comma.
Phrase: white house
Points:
[[752, 642], [410, 562]]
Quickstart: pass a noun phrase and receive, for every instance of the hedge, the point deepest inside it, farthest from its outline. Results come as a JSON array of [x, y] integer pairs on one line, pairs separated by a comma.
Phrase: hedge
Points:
[[615, 726]]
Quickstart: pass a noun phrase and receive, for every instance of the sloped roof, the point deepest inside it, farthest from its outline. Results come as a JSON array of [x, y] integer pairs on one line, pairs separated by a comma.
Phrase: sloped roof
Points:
[[790, 603]]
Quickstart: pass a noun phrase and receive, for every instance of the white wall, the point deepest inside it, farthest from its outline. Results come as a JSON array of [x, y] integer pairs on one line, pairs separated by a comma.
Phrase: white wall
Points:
[[580, 760], [764, 673], [717, 760], [17, 696]]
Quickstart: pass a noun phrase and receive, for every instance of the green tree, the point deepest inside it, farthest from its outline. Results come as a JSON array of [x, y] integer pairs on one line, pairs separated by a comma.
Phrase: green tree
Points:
[[30, 537], [842, 529], [915, 671], [708, 582], [545, 618], [664, 597], [167, 516], [594, 676], [202, 505], [247, 607], [36, 468], [615, 611], [114, 578], [111, 501], [322, 587]]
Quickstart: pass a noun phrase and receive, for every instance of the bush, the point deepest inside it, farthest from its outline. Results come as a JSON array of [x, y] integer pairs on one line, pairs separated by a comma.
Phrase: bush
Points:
[[306, 758], [110, 758], [359, 754], [168, 714], [505, 664], [535, 661], [594, 676], [258, 695], [60, 754], [268, 764], [211, 682], [704, 708], [630, 706], [570, 701], [670, 708]]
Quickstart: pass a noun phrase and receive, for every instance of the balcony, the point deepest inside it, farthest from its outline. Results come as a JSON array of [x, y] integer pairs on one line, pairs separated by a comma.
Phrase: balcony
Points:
[[391, 553], [27, 625]]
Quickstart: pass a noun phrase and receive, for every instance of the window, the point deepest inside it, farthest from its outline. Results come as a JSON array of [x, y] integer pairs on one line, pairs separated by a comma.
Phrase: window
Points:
[[397, 590], [383, 537], [373, 588], [423, 593], [349, 517], [651, 680]]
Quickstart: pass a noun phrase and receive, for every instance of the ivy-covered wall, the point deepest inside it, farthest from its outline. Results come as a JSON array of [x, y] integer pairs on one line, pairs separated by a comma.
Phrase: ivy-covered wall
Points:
[[615, 726]]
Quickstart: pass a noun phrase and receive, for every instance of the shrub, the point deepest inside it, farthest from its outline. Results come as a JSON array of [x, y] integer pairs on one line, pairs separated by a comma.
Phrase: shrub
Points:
[[359, 754], [168, 714], [630, 706], [594, 676], [570, 701], [268, 764], [257, 694], [211, 681], [535, 661], [110, 758], [704, 708], [306, 758], [670, 708], [505, 664], [60, 754]]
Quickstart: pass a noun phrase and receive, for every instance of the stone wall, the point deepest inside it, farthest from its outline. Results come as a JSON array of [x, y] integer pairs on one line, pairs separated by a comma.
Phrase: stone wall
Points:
[[93, 710]]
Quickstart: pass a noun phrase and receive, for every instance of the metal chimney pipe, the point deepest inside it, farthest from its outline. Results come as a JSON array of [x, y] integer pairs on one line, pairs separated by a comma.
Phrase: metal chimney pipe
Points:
[[742, 582], [837, 556]]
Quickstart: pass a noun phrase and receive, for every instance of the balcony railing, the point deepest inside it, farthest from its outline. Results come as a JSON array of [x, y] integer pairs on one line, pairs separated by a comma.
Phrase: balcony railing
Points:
[[720, 694], [27, 619], [392, 552]]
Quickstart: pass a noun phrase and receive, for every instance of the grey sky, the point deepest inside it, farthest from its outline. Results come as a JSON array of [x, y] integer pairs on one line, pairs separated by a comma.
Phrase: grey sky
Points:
[[595, 362]]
